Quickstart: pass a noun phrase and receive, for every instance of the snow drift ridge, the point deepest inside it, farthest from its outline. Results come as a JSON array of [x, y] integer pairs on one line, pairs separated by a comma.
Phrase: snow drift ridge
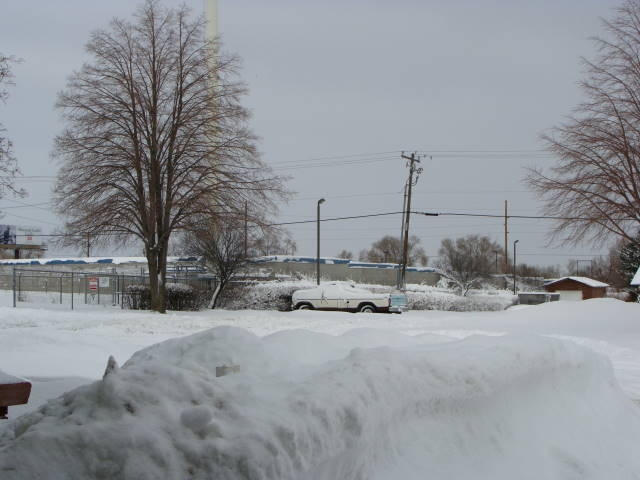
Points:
[[313, 406]]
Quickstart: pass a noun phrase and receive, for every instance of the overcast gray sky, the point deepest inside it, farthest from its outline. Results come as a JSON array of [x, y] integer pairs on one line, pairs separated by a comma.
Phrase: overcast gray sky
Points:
[[338, 89]]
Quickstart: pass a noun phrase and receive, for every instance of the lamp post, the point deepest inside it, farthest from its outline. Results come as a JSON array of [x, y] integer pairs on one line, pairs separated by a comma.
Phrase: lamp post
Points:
[[321, 201], [514, 265]]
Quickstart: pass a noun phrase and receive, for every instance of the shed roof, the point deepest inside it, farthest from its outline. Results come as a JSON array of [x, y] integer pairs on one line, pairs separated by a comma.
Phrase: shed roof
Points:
[[584, 280], [636, 278]]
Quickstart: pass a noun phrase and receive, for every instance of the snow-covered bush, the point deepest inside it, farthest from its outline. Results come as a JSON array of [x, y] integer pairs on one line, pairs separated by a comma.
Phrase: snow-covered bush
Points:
[[438, 299], [136, 297], [180, 296], [261, 295]]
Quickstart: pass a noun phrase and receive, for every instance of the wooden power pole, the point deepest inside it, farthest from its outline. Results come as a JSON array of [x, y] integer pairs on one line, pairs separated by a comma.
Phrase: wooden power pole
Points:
[[506, 240], [411, 163]]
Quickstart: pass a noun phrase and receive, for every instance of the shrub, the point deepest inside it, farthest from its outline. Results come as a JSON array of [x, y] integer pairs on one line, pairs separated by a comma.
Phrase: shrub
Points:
[[136, 297], [180, 296], [260, 296], [454, 303]]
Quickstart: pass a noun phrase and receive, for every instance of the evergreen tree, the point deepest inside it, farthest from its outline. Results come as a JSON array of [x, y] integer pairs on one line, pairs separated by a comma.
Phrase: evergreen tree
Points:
[[630, 258]]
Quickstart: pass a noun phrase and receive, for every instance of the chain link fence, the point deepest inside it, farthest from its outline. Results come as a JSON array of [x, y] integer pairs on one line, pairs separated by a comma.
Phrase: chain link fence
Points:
[[79, 289]]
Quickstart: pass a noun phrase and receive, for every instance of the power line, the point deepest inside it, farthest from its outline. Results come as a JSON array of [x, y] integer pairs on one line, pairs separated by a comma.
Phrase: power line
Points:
[[462, 154], [334, 219], [338, 157], [489, 215], [30, 219], [28, 205]]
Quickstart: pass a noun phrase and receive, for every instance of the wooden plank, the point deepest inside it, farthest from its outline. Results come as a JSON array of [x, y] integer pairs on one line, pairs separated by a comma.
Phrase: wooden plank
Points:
[[14, 393]]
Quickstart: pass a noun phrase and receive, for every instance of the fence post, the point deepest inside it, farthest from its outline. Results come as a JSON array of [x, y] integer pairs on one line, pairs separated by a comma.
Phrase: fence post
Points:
[[60, 285], [72, 285], [14, 287]]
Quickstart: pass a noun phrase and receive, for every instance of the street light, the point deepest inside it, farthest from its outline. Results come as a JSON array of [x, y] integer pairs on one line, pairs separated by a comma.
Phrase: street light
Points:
[[514, 265], [321, 201]]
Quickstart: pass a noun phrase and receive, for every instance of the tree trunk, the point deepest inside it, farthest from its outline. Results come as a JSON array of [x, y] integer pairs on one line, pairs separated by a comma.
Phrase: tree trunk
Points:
[[157, 277], [162, 277], [214, 297], [152, 262]]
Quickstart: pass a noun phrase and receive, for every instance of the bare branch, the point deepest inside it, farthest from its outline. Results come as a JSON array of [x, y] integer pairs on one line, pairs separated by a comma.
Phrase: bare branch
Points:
[[156, 136], [595, 186]]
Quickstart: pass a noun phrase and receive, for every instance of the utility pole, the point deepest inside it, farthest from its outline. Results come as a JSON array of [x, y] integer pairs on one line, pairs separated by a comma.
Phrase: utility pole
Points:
[[514, 265], [246, 228], [411, 163], [399, 285], [88, 245], [320, 202], [506, 240]]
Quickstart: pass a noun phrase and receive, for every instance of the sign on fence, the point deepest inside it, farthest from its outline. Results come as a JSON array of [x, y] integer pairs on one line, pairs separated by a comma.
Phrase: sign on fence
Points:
[[93, 283], [104, 282]]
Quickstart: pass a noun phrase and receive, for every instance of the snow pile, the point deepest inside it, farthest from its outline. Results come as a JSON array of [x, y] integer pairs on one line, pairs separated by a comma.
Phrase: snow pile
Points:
[[314, 406], [433, 298]]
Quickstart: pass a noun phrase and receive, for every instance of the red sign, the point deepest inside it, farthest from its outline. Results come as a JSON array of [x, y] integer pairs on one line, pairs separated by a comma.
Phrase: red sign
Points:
[[93, 283]]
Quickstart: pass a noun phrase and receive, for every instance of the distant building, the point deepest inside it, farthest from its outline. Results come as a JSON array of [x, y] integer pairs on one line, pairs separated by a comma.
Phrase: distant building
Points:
[[577, 288]]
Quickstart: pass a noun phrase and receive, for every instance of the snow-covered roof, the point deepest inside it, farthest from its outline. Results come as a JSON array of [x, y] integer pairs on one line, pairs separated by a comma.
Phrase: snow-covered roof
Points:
[[297, 259], [333, 261], [584, 280], [88, 260], [9, 379], [636, 278]]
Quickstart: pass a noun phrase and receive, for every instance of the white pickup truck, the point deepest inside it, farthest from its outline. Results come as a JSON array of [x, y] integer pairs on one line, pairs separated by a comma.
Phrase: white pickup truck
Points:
[[338, 296]]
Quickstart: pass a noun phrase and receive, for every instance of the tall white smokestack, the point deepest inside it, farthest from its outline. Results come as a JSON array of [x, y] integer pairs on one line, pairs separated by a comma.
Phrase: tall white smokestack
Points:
[[211, 16]]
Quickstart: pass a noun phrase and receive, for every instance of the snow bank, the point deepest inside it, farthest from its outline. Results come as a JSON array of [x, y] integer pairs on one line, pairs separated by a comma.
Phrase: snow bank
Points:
[[313, 406], [433, 298]]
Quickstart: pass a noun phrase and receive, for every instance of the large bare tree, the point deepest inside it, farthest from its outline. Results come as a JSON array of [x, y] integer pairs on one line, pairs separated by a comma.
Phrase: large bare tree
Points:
[[8, 163], [467, 260], [156, 137], [594, 190], [389, 250]]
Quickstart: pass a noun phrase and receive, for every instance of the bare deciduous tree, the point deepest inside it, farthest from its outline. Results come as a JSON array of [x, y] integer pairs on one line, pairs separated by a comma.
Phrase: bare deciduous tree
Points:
[[220, 244], [346, 254], [389, 250], [267, 240], [466, 260], [595, 187], [156, 137], [8, 163]]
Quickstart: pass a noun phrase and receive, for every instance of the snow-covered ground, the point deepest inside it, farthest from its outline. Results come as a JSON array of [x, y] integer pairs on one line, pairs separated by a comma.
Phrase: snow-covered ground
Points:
[[500, 395]]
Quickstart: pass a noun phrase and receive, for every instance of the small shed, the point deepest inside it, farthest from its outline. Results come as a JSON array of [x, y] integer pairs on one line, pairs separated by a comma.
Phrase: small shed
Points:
[[577, 288]]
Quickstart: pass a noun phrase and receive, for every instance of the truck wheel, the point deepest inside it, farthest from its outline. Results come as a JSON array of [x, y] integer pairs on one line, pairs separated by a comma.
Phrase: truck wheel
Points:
[[304, 306], [367, 309]]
